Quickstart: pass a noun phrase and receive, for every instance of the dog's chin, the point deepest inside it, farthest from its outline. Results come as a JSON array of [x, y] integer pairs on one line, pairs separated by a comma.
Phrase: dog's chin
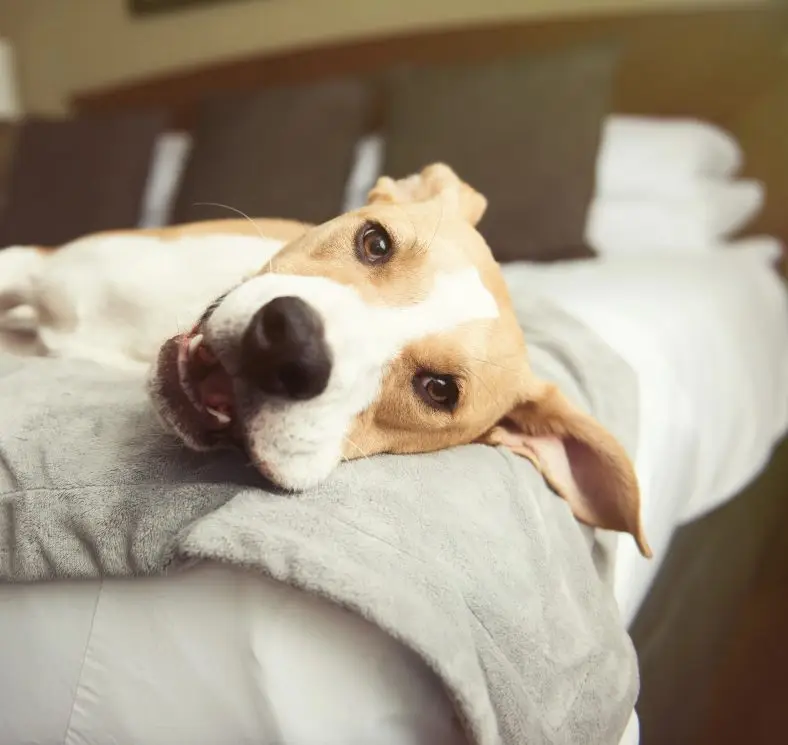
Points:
[[292, 476]]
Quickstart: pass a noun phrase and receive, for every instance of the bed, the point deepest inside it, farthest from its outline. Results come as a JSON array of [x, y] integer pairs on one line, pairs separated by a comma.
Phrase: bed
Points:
[[713, 400], [229, 665], [690, 353]]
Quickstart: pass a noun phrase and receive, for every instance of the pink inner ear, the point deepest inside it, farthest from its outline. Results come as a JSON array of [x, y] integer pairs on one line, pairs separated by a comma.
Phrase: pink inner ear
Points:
[[596, 479], [572, 469]]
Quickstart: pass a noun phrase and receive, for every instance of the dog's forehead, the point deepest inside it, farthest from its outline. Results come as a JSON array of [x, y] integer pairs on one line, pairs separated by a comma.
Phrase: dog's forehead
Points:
[[428, 242], [431, 227]]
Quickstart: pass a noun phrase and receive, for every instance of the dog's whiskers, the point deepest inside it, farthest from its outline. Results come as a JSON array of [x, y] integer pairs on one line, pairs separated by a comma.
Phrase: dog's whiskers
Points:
[[363, 454], [494, 364], [435, 231], [232, 209], [481, 381], [244, 215], [357, 448], [426, 246]]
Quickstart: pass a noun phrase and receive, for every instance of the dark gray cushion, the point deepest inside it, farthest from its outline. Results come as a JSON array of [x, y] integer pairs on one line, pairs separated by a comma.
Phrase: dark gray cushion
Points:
[[522, 131], [283, 152], [69, 177]]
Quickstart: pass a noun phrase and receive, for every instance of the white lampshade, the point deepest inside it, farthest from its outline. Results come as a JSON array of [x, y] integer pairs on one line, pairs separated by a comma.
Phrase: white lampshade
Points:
[[10, 107]]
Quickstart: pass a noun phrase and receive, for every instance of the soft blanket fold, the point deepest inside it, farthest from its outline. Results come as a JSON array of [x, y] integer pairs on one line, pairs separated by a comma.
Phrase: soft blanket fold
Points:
[[465, 556]]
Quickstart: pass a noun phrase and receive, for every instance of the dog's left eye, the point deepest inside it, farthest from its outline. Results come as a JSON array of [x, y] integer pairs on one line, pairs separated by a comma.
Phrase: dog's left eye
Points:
[[373, 244], [439, 391]]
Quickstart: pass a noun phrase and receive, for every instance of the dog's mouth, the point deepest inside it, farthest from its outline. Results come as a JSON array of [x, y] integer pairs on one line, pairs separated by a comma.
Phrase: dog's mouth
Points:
[[194, 391]]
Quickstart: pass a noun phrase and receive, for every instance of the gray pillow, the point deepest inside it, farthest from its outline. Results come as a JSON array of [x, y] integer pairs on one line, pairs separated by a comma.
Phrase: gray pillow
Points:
[[523, 131], [70, 177], [278, 152]]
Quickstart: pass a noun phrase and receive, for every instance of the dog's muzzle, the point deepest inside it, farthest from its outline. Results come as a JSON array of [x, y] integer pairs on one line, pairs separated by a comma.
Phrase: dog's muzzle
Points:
[[284, 351]]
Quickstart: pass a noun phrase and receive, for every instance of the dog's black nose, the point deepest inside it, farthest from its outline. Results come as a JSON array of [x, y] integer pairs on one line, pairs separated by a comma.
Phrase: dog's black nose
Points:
[[284, 351]]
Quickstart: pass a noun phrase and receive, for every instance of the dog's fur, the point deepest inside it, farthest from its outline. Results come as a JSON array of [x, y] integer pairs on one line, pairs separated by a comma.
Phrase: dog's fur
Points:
[[186, 296]]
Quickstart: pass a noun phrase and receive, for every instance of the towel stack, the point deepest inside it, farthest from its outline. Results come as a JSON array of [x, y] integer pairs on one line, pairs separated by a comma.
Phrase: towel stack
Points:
[[670, 185]]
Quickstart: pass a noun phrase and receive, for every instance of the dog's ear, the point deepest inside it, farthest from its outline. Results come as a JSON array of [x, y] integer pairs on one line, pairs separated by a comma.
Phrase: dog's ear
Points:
[[436, 181], [579, 459]]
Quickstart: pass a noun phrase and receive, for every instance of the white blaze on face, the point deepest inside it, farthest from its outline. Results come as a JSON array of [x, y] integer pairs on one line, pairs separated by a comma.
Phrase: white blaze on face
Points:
[[300, 442]]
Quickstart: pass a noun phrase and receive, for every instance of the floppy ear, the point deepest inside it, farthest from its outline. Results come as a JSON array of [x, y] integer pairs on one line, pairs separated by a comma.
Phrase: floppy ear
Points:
[[578, 458], [436, 181]]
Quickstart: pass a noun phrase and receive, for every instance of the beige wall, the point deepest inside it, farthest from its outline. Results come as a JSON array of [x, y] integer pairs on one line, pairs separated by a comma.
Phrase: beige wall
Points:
[[64, 46]]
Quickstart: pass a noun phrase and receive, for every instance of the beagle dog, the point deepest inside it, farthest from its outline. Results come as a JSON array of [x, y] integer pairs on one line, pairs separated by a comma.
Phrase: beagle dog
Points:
[[388, 329]]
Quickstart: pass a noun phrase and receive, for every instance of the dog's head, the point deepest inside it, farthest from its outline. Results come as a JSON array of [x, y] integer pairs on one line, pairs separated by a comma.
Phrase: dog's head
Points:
[[388, 329]]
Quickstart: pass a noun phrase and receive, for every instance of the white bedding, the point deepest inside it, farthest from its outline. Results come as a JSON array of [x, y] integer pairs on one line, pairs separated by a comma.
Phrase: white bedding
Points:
[[218, 655]]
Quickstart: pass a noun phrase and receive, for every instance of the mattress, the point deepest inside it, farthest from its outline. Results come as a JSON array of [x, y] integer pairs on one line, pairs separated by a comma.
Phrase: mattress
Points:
[[220, 655]]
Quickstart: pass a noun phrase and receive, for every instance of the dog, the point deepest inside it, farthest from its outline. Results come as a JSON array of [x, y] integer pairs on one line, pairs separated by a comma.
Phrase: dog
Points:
[[388, 329]]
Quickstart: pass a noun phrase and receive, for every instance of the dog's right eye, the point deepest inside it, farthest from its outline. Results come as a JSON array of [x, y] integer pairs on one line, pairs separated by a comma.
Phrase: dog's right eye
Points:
[[439, 391], [373, 244]]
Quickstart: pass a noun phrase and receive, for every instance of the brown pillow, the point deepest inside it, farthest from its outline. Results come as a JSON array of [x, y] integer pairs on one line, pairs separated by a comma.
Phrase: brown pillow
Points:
[[283, 152], [70, 177], [523, 131]]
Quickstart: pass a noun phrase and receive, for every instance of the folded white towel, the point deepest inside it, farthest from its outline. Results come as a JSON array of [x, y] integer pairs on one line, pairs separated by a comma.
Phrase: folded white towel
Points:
[[704, 216], [650, 156]]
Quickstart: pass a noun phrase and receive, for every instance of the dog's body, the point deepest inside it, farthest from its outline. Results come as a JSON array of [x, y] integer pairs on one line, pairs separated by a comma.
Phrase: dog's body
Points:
[[388, 329], [116, 297]]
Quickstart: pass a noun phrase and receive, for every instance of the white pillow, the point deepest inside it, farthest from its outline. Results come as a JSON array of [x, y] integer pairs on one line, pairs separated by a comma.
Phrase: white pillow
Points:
[[169, 159], [697, 219], [651, 156], [367, 165]]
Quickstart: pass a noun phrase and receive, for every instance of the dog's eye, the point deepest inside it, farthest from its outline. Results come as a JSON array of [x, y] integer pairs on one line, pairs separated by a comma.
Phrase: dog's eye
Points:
[[373, 244], [439, 391]]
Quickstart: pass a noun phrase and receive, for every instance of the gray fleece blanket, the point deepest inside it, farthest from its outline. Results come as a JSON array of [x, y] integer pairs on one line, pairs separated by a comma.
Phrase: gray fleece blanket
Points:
[[465, 556]]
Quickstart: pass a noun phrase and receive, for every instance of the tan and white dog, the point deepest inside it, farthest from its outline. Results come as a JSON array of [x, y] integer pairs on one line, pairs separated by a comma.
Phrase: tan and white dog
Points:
[[386, 330]]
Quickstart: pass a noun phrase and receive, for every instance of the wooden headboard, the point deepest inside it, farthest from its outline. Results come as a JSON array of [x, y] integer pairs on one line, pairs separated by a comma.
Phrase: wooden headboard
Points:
[[729, 67]]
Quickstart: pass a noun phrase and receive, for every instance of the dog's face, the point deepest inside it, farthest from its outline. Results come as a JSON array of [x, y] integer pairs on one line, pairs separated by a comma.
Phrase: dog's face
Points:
[[388, 329]]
